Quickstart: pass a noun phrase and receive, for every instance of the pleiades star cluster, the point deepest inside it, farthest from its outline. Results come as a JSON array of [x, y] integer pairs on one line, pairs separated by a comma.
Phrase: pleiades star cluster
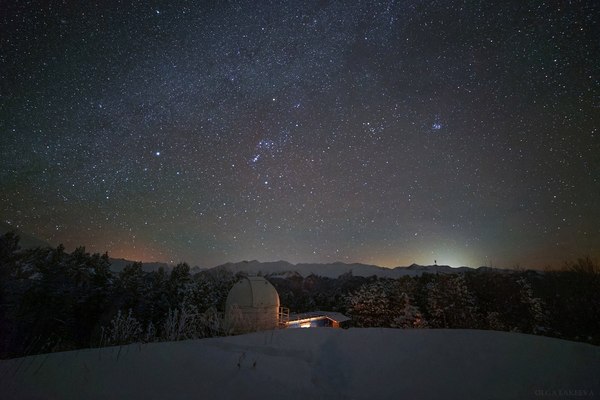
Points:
[[384, 132]]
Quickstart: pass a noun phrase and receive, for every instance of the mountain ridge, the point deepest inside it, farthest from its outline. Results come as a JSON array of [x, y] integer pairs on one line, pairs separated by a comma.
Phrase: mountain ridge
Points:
[[274, 268], [335, 269]]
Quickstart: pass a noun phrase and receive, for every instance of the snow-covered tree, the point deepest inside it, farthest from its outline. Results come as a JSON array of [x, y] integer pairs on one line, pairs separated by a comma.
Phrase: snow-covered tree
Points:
[[535, 307], [179, 284], [375, 304], [150, 333], [494, 321], [123, 329], [450, 304], [410, 316], [210, 324]]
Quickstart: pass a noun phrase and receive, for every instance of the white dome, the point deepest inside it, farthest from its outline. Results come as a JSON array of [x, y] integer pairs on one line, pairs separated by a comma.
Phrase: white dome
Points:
[[253, 292], [252, 304]]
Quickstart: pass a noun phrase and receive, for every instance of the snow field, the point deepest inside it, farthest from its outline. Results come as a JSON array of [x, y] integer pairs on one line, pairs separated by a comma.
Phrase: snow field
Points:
[[372, 363]]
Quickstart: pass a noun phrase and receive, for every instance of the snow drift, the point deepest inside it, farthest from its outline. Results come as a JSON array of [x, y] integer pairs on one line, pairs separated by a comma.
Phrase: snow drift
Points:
[[315, 363]]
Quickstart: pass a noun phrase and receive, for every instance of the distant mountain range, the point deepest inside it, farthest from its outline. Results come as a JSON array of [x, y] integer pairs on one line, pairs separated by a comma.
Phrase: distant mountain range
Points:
[[334, 270], [285, 269], [274, 268], [118, 264]]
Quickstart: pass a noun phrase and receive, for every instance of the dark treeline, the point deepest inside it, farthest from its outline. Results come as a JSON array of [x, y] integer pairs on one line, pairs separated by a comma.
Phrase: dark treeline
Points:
[[51, 300], [563, 304]]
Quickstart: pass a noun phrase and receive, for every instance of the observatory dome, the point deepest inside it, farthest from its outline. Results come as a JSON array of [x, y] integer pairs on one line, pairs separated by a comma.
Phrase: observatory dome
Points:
[[252, 305], [253, 292]]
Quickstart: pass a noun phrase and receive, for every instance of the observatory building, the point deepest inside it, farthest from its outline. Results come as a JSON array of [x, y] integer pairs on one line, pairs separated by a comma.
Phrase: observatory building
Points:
[[253, 305]]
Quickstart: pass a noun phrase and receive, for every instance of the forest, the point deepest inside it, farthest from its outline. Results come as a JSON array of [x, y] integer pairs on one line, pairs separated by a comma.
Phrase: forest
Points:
[[52, 300]]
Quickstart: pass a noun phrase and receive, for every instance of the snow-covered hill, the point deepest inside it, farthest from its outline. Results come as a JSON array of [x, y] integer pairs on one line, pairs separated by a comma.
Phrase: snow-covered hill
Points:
[[334, 270], [316, 364]]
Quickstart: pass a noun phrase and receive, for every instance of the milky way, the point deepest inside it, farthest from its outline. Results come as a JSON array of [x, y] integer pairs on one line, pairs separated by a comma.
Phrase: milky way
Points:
[[381, 132]]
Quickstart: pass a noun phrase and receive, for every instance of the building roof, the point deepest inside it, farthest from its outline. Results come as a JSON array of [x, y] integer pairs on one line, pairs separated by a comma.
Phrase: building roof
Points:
[[253, 292], [332, 315]]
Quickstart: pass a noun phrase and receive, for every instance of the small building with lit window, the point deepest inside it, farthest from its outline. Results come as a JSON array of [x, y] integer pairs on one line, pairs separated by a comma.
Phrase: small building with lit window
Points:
[[317, 319]]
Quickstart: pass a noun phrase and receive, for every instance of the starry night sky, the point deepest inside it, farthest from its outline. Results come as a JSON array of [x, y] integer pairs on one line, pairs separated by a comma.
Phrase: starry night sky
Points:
[[384, 132]]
